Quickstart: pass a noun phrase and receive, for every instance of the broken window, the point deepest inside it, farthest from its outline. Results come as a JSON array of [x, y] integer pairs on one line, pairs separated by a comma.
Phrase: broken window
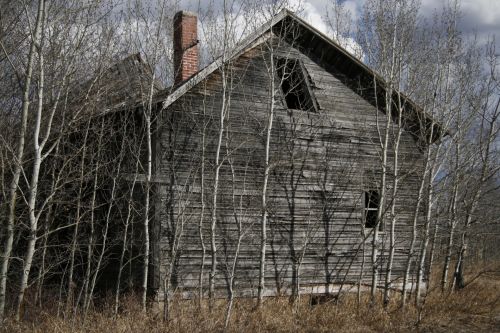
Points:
[[372, 202], [295, 85]]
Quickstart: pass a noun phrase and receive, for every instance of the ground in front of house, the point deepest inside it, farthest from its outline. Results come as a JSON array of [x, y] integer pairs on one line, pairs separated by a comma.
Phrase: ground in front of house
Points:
[[473, 309]]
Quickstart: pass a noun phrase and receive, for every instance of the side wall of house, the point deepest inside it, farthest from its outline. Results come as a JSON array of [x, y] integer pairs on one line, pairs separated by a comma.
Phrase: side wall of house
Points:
[[322, 162]]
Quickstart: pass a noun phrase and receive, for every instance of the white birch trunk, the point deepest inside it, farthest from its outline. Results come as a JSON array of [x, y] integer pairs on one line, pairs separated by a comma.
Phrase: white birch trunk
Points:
[[19, 160], [451, 235], [413, 240], [380, 212], [485, 155], [202, 212], [425, 237], [395, 184], [213, 222], [37, 161], [267, 167], [217, 165], [384, 146], [145, 267], [148, 110], [237, 219]]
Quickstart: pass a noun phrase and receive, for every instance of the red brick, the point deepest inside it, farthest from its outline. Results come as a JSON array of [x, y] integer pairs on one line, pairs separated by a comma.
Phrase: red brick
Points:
[[185, 45]]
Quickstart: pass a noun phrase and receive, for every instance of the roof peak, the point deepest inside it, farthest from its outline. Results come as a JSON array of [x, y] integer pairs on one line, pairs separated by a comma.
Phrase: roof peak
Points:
[[324, 46], [185, 13]]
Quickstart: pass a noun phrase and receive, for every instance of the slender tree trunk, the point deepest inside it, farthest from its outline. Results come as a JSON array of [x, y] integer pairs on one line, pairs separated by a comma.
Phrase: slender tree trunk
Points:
[[122, 254], [459, 279], [19, 159], [41, 271], [452, 224], [430, 262], [174, 250], [392, 232], [362, 270], [125, 234], [425, 236], [395, 185], [218, 164], [447, 258], [237, 219], [267, 169], [37, 161], [485, 152], [108, 217], [145, 268], [380, 212], [87, 298], [384, 146], [70, 293], [202, 212], [148, 110]]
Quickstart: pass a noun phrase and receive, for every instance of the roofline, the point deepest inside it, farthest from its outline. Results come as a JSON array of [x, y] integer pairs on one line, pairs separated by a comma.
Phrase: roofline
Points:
[[380, 80], [335, 44], [247, 43], [259, 36], [200, 75]]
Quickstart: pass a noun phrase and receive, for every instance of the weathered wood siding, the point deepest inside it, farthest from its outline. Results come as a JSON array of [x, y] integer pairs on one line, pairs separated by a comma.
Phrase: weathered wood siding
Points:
[[322, 162]]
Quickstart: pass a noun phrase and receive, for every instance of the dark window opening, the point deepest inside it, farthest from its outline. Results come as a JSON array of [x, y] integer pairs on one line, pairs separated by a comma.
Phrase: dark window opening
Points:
[[295, 85], [372, 202]]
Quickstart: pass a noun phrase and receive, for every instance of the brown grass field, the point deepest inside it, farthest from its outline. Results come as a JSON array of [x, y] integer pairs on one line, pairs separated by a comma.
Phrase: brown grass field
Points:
[[473, 309]]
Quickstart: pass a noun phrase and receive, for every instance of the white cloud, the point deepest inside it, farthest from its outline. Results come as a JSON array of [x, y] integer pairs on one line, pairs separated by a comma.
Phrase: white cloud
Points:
[[355, 7], [312, 16], [482, 16], [240, 22], [480, 12], [488, 11], [316, 18]]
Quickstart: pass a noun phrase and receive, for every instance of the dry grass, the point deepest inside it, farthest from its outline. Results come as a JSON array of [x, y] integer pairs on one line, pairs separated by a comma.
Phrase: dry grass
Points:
[[474, 309]]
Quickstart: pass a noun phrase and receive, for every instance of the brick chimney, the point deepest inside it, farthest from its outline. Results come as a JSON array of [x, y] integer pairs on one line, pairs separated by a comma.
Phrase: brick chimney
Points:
[[185, 45]]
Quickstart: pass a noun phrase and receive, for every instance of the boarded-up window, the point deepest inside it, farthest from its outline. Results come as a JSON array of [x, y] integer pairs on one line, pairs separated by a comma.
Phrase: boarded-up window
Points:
[[372, 202], [295, 85]]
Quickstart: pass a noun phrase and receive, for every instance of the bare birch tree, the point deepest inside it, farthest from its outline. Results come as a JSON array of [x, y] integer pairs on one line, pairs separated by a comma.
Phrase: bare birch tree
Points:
[[34, 40]]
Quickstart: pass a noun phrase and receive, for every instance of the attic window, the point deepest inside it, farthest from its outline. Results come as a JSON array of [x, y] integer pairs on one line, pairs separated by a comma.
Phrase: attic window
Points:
[[372, 202], [295, 85]]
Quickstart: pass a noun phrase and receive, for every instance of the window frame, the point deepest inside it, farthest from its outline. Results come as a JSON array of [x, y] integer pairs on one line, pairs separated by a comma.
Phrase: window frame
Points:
[[306, 83], [367, 195]]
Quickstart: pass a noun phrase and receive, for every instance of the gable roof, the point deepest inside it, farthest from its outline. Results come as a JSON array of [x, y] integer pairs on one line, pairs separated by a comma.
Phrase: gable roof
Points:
[[119, 85], [332, 55], [111, 89]]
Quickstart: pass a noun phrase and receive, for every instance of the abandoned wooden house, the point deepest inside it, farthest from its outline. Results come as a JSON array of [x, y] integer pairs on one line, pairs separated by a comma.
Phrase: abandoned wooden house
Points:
[[285, 127]]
